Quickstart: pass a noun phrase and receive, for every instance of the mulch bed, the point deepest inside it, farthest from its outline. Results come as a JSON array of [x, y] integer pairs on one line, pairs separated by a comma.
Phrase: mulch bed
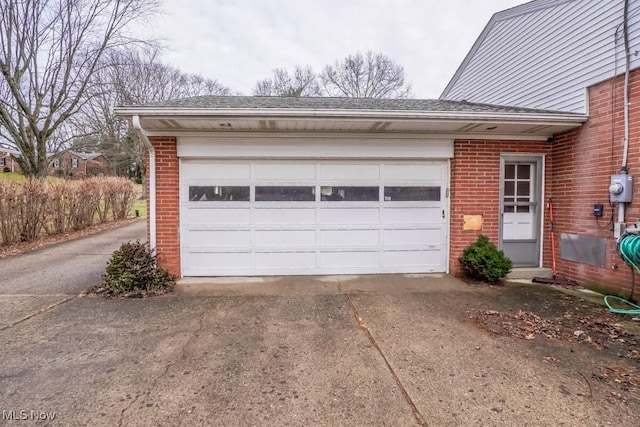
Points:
[[553, 318], [600, 331], [100, 290]]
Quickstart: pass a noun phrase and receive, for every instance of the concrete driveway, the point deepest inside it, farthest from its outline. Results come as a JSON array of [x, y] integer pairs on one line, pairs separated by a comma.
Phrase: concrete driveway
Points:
[[372, 350]]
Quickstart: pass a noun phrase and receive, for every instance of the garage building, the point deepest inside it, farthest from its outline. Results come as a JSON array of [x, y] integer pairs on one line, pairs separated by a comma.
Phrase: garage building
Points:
[[281, 185]]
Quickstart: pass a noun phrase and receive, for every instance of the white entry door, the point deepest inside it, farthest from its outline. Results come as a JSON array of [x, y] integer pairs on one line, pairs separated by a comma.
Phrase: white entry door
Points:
[[520, 208], [307, 217]]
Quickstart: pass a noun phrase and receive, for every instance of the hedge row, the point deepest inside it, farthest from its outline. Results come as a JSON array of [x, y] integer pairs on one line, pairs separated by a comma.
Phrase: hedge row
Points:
[[36, 206]]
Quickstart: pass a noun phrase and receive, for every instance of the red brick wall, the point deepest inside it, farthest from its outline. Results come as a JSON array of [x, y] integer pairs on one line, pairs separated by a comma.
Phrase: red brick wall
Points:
[[579, 164], [85, 168], [167, 204], [9, 163], [475, 188], [583, 161]]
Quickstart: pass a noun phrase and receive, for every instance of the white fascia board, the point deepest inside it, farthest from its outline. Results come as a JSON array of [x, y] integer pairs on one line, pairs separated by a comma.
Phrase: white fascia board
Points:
[[535, 118], [256, 135]]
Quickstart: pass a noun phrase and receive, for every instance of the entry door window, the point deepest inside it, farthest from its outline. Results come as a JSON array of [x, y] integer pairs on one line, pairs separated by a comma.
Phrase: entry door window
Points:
[[518, 201]]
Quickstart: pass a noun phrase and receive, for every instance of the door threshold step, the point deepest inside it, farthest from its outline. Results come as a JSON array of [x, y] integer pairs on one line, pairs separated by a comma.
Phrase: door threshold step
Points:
[[529, 273]]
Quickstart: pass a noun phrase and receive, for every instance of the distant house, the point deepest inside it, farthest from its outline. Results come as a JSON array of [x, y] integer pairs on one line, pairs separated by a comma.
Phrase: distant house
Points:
[[74, 164], [7, 162]]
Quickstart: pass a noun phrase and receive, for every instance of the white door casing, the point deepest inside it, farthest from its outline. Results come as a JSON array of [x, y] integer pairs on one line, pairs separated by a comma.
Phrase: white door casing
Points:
[[521, 180]]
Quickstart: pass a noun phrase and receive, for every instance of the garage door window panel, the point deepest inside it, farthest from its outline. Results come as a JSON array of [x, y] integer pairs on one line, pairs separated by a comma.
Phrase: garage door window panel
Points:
[[349, 193], [411, 194], [274, 193], [218, 193]]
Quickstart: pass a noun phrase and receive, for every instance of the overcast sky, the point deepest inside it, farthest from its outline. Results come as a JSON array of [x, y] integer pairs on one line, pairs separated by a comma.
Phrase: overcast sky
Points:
[[239, 42]]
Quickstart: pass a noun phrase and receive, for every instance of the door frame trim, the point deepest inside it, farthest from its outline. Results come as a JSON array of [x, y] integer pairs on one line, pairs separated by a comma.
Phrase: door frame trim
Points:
[[540, 159]]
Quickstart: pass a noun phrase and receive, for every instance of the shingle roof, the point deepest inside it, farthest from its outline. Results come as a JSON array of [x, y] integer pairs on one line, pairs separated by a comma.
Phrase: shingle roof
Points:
[[326, 103], [86, 156], [8, 151]]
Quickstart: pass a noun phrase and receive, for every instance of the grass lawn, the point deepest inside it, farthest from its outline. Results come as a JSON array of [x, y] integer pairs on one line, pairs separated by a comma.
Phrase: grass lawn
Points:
[[11, 176], [141, 206]]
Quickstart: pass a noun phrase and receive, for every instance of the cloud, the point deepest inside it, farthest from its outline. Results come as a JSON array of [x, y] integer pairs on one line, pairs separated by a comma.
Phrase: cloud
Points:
[[240, 42]]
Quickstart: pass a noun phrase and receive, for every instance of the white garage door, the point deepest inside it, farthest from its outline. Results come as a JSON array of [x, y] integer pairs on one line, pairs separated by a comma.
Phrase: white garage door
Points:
[[301, 217]]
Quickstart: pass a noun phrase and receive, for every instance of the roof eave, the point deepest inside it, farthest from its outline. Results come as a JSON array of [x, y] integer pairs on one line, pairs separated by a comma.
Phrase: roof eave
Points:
[[570, 118]]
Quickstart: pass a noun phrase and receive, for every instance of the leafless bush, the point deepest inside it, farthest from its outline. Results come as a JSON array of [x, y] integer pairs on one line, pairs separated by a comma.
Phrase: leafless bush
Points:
[[88, 193], [34, 206], [118, 196], [57, 208], [9, 212]]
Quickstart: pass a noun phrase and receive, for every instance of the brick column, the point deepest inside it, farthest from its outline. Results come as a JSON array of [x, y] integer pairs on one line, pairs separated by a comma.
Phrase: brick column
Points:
[[167, 204]]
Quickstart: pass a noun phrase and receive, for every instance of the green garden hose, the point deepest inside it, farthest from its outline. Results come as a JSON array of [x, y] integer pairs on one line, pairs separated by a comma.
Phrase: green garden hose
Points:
[[620, 310], [629, 249]]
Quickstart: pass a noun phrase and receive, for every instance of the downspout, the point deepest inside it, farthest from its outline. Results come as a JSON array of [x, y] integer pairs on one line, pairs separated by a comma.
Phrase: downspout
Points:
[[627, 66], [135, 120]]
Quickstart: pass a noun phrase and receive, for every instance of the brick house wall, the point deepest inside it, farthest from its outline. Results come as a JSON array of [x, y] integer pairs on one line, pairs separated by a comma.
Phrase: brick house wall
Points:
[[578, 166], [84, 168], [583, 161], [475, 188], [8, 162], [167, 204]]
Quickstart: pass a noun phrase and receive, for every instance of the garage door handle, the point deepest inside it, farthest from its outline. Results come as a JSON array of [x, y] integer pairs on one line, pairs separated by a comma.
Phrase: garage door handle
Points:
[[442, 213]]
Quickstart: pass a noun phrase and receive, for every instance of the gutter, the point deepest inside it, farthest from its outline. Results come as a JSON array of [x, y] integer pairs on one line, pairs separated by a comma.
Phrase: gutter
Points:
[[135, 120], [551, 117]]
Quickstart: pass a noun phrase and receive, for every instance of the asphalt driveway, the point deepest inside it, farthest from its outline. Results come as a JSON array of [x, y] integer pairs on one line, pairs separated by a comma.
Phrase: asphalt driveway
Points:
[[371, 350], [45, 277]]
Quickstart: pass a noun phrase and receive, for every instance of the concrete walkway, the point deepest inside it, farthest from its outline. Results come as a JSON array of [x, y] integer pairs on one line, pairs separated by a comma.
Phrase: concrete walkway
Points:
[[45, 277]]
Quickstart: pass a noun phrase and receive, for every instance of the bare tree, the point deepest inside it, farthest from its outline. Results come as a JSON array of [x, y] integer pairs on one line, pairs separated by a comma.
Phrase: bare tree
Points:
[[50, 50], [372, 75], [139, 77], [303, 82], [129, 77]]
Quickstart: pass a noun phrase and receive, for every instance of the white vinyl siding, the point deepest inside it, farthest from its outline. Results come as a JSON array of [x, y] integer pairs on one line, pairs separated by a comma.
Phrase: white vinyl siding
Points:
[[546, 58]]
